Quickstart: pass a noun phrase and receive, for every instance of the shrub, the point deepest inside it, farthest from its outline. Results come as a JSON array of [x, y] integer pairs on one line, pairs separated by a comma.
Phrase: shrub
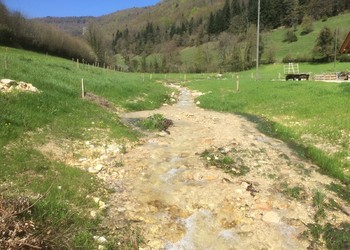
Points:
[[290, 37]]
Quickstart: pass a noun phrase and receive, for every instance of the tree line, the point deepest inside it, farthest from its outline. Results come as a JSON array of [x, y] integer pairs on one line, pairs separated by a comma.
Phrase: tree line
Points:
[[232, 28], [17, 31], [230, 31]]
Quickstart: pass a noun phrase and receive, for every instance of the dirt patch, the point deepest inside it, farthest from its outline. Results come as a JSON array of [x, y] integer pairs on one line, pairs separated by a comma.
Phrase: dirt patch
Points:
[[102, 102]]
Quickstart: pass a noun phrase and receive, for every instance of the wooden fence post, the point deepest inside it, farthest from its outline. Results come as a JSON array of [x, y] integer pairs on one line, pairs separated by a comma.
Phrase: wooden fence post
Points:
[[78, 63], [82, 88], [237, 84]]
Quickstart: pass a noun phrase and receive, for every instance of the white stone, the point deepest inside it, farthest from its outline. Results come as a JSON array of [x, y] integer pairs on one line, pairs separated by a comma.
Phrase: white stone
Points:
[[271, 217], [96, 169], [102, 205], [121, 209], [7, 81], [101, 240], [162, 134], [93, 214], [239, 191]]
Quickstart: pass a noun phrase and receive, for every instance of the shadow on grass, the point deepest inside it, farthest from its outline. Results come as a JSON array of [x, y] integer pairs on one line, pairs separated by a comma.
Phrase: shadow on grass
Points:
[[328, 165], [341, 191], [345, 88]]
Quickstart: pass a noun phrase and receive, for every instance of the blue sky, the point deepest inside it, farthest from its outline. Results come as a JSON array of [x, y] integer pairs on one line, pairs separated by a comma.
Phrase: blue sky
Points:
[[61, 8]]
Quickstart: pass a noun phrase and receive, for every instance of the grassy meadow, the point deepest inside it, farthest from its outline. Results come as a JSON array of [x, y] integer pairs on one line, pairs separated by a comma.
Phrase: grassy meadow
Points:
[[301, 48], [305, 43], [312, 116], [57, 113]]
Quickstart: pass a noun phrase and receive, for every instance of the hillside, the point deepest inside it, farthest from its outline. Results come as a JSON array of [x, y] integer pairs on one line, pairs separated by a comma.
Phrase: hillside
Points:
[[49, 198], [207, 35], [72, 25]]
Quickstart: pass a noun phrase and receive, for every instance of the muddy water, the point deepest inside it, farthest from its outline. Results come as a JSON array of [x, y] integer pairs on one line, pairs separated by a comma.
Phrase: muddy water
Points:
[[165, 188]]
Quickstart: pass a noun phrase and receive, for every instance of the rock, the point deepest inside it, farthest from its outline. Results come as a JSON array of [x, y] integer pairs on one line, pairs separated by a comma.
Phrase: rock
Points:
[[8, 82], [8, 85], [162, 134], [121, 209], [93, 214], [271, 217], [96, 169], [102, 205], [239, 191], [100, 240], [198, 102]]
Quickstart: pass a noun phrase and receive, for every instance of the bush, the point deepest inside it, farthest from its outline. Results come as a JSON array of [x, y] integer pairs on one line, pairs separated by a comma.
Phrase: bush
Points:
[[344, 58], [290, 37], [288, 58], [307, 25]]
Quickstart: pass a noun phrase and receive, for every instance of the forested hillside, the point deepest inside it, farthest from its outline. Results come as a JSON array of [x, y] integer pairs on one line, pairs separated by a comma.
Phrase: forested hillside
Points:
[[17, 31], [228, 26], [157, 38]]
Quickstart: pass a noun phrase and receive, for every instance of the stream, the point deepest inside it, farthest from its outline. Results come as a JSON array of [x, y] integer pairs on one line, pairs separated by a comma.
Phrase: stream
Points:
[[180, 202]]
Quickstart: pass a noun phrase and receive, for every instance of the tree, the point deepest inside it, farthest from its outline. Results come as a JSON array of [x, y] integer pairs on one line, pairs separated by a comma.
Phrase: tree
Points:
[[211, 24], [95, 40], [226, 16], [235, 8], [143, 64], [324, 47], [320, 8], [291, 15], [270, 54], [236, 57], [290, 36], [307, 25], [224, 47]]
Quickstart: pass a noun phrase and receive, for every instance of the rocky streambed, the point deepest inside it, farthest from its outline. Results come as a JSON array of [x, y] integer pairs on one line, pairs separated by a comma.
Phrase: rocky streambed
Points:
[[216, 182]]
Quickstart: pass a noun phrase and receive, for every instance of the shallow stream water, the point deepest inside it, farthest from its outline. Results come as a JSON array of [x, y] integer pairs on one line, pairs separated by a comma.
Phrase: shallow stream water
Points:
[[166, 189]]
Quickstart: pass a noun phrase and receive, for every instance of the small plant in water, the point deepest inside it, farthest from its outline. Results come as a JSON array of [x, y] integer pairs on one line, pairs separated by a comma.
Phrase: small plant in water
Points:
[[297, 192], [154, 122], [225, 162]]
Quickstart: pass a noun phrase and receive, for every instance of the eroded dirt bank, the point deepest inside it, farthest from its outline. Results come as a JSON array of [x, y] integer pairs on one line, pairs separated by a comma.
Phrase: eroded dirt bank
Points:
[[180, 200]]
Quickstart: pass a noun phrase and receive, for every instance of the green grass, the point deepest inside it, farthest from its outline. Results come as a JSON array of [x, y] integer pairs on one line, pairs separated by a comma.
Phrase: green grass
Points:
[[229, 163], [154, 122], [60, 104], [311, 116], [301, 48], [28, 120], [296, 192], [305, 43]]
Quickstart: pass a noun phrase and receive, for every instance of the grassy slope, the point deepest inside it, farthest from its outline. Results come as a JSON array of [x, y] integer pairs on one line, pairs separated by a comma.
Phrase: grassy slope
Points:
[[305, 43], [58, 113], [303, 46]]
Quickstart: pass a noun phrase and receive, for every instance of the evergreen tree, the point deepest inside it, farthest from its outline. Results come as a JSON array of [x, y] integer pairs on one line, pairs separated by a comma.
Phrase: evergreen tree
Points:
[[226, 16], [235, 8], [290, 17], [211, 24], [324, 47]]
